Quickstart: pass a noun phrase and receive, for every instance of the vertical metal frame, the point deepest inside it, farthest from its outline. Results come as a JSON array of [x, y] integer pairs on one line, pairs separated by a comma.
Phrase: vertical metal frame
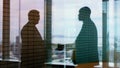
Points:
[[6, 29]]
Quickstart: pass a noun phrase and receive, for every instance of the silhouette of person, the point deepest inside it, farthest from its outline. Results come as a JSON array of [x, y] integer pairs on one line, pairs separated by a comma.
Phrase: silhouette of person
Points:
[[33, 50], [86, 42]]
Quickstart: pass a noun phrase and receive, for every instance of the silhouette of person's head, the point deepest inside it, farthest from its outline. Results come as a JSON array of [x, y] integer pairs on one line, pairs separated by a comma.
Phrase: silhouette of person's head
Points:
[[33, 16], [84, 13]]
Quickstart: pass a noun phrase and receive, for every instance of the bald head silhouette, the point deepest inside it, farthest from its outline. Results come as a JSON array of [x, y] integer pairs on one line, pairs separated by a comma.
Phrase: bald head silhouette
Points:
[[84, 13]]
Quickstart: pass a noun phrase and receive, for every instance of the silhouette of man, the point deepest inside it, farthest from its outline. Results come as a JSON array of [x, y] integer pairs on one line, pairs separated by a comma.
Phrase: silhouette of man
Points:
[[33, 50], [86, 42]]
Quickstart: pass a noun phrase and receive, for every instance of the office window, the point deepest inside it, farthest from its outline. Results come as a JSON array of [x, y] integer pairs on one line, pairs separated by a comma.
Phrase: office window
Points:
[[12, 19], [18, 18], [117, 33], [28, 5], [15, 45], [1, 5], [60, 27], [15, 17], [117, 20], [66, 27], [32, 33]]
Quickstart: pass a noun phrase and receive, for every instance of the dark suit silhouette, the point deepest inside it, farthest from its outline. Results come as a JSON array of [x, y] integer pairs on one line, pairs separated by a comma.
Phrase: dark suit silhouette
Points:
[[33, 50], [86, 42]]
